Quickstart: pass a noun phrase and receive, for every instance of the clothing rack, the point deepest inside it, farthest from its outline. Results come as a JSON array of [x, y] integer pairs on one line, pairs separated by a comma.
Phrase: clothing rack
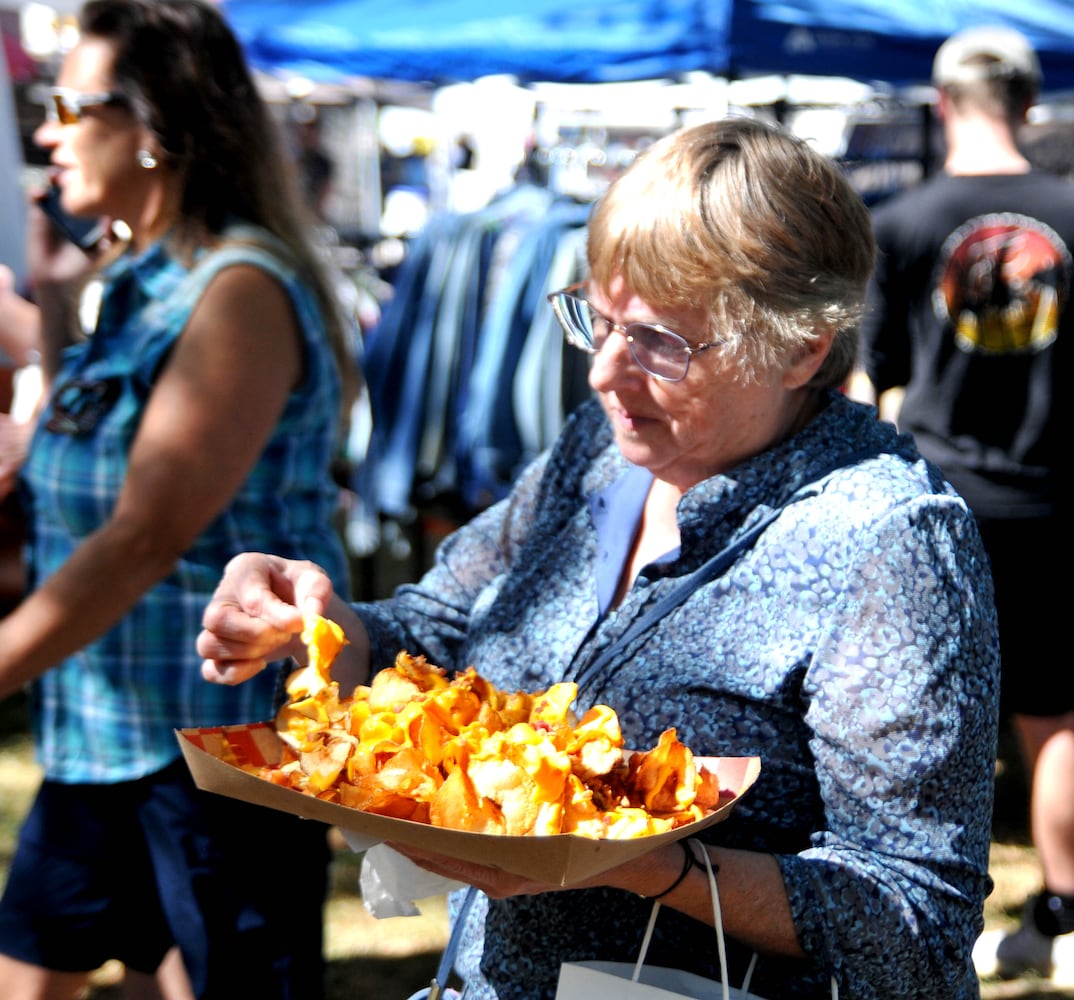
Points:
[[468, 374]]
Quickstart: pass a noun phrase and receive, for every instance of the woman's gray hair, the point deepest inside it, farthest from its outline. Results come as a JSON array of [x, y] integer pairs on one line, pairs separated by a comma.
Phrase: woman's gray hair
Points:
[[746, 221]]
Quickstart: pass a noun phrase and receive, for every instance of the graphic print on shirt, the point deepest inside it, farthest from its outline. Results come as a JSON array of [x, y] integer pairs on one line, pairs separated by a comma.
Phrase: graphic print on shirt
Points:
[[1002, 281]]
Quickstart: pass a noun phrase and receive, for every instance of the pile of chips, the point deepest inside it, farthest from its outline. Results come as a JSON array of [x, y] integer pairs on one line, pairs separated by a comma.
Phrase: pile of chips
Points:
[[465, 755]]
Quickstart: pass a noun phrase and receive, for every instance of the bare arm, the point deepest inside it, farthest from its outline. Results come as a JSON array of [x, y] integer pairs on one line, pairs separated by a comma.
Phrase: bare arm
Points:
[[753, 900], [193, 449]]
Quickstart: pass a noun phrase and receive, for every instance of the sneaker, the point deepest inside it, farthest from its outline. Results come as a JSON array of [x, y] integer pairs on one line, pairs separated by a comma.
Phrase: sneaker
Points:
[[1063, 961], [1025, 951], [984, 953]]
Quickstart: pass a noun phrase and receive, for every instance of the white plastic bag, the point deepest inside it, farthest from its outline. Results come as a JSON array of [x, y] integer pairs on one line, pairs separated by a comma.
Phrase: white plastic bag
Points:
[[391, 882], [615, 981]]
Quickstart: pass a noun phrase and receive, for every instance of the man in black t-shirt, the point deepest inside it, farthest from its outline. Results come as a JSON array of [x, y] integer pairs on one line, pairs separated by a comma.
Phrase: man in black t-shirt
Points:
[[971, 319]]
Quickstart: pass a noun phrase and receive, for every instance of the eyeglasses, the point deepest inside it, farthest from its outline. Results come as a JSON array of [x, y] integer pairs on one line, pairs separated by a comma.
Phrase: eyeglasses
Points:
[[656, 350], [80, 403], [66, 106]]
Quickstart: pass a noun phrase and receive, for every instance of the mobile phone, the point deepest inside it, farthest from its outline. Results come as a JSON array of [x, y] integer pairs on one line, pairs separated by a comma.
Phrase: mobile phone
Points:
[[84, 233]]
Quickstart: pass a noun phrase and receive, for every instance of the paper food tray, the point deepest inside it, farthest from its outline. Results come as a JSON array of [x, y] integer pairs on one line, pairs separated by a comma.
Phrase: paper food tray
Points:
[[562, 859]]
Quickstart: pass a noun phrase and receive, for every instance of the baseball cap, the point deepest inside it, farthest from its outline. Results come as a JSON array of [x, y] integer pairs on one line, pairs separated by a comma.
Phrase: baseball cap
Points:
[[985, 53]]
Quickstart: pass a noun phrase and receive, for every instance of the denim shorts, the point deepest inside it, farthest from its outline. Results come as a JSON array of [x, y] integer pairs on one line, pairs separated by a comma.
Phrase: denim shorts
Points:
[[123, 871]]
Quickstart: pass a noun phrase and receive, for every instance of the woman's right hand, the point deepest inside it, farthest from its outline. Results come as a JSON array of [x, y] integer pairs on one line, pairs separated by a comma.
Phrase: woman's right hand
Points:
[[53, 261], [256, 614]]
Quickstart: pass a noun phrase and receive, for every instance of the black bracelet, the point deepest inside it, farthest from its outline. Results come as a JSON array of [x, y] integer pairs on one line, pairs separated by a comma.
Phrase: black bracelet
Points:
[[689, 861]]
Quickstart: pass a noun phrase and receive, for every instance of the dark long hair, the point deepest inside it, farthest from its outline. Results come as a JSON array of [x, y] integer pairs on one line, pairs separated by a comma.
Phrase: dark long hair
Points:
[[186, 77]]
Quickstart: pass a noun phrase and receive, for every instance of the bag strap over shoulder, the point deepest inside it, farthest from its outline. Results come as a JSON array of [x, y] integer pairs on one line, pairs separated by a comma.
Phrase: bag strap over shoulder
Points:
[[709, 571], [447, 960]]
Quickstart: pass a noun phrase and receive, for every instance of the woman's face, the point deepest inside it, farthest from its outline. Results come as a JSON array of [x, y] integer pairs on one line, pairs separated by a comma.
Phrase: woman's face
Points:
[[95, 160], [684, 432]]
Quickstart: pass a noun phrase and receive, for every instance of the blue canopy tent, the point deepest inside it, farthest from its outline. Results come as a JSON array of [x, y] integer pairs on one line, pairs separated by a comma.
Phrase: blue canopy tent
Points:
[[888, 41], [599, 41]]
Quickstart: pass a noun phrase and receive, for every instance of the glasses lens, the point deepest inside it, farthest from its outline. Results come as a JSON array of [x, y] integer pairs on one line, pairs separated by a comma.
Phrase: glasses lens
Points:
[[576, 318], [67, 107], [60, 109], [659, 352]]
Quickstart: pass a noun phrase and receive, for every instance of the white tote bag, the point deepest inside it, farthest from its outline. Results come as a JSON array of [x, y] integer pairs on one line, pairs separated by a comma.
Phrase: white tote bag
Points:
[[622, 981]]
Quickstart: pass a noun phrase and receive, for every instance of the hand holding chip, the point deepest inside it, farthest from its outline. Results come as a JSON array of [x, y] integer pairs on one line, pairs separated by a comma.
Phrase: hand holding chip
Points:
[[256, 616]]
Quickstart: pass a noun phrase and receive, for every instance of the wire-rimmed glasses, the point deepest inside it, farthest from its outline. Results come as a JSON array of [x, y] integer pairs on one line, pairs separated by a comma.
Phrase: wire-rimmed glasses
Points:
[[658, 351]]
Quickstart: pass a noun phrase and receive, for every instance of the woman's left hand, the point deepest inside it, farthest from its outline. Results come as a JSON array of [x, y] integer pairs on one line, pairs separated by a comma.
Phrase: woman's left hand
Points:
[[493, 882], [648, 872]]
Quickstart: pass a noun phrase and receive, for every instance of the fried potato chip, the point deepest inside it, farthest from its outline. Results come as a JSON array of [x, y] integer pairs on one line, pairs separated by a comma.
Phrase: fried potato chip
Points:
[[458, 805], [547, 765], [391, 690], [323, 640], [461, 753], [554, 705], [500, 775], [665, 776], [709, 792], [324, 760]]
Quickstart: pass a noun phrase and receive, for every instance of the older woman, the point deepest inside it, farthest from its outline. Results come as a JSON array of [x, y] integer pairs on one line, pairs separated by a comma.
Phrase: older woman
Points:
[[845, 633]]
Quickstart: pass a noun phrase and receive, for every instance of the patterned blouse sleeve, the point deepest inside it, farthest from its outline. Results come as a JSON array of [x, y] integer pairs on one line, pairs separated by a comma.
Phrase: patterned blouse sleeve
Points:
[[902, 696]]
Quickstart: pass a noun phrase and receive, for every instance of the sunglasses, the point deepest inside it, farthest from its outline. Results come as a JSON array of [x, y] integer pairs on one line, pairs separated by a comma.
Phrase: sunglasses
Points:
[[80, 403], [66, 106], [655, 349]]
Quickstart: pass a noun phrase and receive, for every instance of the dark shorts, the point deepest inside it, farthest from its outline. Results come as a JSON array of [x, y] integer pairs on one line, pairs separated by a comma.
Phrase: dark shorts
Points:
[[123, 871], [1029, 566]]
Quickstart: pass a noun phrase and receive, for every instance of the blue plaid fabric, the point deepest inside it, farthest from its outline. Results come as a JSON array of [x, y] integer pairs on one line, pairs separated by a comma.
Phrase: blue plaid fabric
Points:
[[108, 713]]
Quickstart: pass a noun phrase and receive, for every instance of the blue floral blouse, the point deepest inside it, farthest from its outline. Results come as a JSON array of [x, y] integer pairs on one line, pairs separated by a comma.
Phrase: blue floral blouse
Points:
[[853, 648]]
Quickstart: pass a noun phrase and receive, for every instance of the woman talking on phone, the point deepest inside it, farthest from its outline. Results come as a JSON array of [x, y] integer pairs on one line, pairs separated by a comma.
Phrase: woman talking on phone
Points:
[[199, 419]]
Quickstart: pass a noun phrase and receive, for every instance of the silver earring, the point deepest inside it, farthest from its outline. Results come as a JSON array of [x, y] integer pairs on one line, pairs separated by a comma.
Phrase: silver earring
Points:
[[146, 160]]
